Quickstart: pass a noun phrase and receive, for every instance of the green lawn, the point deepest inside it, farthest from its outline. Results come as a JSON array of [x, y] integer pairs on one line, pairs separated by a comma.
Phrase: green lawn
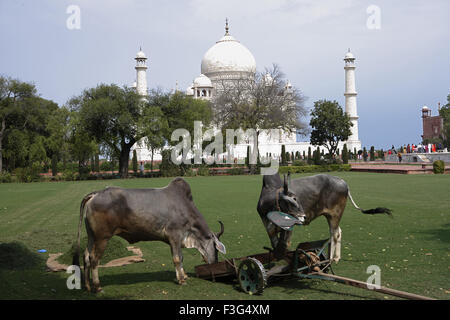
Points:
[[412, 249]]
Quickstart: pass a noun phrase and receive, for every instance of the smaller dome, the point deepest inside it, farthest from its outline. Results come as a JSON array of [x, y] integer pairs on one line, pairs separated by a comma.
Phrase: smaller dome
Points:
[[141, 55], [288, 85], [202, 81], [425, 108], [349, 55], [190, 90], [268, 80]]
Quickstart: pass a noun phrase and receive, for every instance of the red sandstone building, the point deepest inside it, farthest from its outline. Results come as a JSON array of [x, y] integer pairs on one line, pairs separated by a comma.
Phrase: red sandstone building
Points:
[[433, 126]]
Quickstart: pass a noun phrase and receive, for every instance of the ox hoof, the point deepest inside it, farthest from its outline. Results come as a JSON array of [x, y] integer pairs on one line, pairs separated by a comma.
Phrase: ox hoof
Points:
[[335, 260], [97, 290], [181, 282]]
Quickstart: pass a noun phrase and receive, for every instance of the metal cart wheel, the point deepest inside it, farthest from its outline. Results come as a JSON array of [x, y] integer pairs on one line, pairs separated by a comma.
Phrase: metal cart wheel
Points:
[[252, 276]]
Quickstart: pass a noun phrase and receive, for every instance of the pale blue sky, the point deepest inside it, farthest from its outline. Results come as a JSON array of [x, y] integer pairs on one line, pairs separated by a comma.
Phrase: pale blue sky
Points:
[[400, 67]]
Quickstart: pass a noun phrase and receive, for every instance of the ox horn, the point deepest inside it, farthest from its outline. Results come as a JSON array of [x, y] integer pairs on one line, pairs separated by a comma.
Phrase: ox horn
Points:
[[285, 186], [218, 234]]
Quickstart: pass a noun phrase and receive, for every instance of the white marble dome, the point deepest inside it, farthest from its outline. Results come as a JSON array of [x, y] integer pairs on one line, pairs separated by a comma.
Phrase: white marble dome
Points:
[[228, 55], [202, 81], [140, 55], [349, 55]]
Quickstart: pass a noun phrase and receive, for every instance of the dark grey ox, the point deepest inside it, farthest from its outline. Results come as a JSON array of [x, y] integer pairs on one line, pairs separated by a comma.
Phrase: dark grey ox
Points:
[[316, 195], [167, 214]]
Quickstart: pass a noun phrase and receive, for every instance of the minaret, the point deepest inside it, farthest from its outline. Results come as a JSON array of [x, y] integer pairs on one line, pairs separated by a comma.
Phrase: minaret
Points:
[[350, 100], [141, 73]]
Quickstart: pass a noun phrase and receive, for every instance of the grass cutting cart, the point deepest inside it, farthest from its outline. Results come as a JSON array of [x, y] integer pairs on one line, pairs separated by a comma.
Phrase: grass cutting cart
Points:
[[308, 261]]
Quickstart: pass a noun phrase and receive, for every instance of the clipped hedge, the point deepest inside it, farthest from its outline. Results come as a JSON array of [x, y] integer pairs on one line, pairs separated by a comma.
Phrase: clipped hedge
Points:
[[438, 167], [314, 168]]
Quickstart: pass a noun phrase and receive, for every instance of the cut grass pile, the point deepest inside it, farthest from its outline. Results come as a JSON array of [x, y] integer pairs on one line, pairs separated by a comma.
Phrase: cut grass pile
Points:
[[116, 248]]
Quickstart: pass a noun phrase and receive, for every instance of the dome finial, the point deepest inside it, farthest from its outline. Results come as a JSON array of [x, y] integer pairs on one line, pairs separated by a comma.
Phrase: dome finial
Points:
[[226, 27]]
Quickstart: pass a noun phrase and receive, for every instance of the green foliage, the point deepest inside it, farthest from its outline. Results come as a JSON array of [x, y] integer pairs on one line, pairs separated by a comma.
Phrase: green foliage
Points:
[[68, 175], [203, 171], [372, 153], [309, 156], [29, 174], [236, 171], [54, 164], [444, 112], [314, 168], [167, 167], [316, 156], [364, 153], [299, 163], [345, 154], [438, 167], [330, 125], [179, 111], [283, 155], [97, 162], [5, 177]]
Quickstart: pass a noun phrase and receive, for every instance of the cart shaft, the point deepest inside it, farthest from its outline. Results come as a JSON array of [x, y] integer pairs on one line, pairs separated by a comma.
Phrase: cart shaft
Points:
[[364, 285]]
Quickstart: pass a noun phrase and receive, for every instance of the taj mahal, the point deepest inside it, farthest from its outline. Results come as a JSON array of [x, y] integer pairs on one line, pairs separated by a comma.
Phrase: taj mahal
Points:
[[228, 60]]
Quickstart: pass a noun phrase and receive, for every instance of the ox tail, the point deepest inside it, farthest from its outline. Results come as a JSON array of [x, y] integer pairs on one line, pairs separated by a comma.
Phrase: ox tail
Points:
[[76, 255], [370, 211]]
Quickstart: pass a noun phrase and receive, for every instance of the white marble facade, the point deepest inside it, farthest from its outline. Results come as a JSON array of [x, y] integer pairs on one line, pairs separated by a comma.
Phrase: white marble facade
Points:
[[228, 60]]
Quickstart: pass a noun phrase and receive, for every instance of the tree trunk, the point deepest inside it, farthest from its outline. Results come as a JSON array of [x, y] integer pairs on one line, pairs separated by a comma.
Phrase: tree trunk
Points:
[[151, 165], [2, 131], [124, 159], [1, 156]]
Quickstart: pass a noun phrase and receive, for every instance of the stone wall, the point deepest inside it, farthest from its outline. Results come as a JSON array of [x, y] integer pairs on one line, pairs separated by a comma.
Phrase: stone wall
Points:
[[420, 157]]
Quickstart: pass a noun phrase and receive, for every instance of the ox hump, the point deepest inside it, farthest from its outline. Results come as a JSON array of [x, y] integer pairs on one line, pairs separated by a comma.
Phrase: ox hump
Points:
[[182, 187]]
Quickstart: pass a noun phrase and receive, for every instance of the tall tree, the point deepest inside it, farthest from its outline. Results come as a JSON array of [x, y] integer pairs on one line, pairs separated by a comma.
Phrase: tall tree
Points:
[[154, 124], [345, 154], [13, 97], [261, 103], [81, 144], [111, 114], [57, 142], [180, 112], [330, 125], [444, 112]]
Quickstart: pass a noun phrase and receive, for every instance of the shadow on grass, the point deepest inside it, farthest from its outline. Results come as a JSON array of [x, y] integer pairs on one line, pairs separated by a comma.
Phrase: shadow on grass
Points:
[[16, 256], [135, 278], [441, 234], [293, 285]]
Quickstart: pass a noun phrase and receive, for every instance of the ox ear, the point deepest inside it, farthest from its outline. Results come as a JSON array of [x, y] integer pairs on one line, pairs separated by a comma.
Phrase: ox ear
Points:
[[220, 246]]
